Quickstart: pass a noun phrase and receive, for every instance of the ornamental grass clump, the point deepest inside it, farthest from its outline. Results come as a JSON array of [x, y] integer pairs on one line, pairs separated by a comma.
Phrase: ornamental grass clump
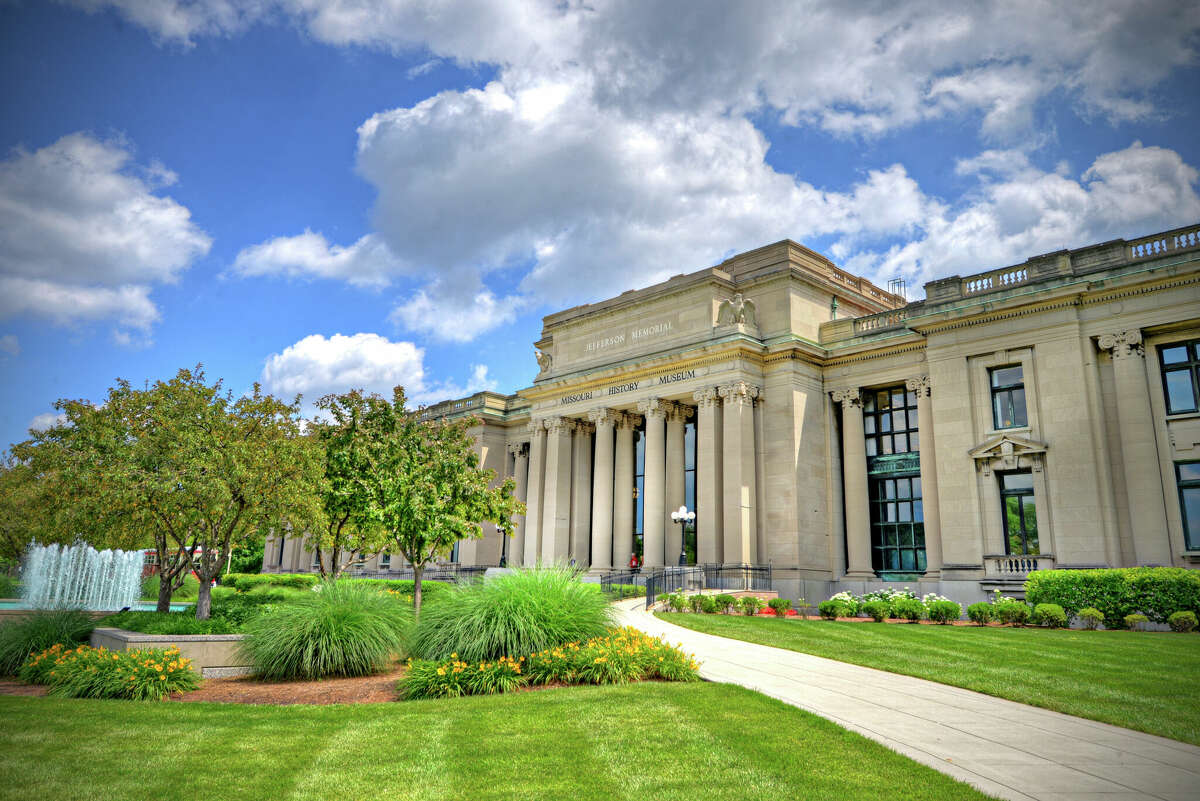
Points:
[[619, 657], [37, 631], [84, 672], [346, 629], [522, 612]]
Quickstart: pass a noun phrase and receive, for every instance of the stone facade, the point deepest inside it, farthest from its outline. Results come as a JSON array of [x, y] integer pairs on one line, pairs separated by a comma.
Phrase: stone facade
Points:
[[1012, 420]]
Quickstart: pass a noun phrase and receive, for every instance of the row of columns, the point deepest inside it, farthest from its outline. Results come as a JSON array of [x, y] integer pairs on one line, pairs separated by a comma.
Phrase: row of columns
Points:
[[854, 481], [579, 500]]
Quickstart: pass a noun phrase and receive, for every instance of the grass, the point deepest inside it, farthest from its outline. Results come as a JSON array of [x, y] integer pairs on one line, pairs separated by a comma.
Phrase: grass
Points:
[[660, 741], [1140, 680], [36, 631]]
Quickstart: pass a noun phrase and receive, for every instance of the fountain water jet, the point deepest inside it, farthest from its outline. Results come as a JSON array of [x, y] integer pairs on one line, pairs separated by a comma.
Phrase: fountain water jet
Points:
[[56, 576]]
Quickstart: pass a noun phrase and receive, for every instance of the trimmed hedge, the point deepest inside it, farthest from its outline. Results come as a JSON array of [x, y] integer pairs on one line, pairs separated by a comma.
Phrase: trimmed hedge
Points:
[[1156, 592]]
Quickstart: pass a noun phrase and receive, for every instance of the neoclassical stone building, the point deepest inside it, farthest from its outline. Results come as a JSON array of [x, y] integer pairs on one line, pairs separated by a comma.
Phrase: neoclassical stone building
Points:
[[1041, 415]]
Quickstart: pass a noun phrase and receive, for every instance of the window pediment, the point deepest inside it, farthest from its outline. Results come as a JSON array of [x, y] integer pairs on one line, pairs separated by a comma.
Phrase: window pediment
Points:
[[1008, 452]]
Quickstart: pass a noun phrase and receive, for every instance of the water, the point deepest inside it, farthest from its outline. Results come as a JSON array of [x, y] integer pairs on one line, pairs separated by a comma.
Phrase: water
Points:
[[140, 606], [80, 576]]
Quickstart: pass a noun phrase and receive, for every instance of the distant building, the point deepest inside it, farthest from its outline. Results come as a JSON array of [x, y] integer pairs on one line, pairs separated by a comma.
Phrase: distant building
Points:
[[1035, 416]]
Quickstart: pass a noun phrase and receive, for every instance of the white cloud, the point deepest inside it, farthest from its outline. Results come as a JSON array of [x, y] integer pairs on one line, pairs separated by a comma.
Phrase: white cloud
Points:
[[443, 317], [10, 345], [47, 420], [319, 365], [368, 262], [83, 236]]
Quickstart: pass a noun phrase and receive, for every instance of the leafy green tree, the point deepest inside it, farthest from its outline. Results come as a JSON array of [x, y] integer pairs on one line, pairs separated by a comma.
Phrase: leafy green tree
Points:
[[188, 462], [346, 439], [425, 487]]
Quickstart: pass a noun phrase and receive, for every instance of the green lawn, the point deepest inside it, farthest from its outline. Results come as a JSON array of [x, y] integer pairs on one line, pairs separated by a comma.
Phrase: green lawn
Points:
[[1140, 680], [648, 741]]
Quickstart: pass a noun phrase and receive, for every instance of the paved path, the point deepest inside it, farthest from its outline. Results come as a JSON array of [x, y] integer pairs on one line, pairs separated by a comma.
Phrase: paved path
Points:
[[1004, 748]]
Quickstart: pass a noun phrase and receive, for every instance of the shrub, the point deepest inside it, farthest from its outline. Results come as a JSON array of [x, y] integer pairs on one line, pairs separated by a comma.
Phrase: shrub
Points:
[[850, 604], [245, 582], [188, 592], [1182, 621], [908, 608], [1136, 621], [696, 602], [1010, 610], [750, 604], [1090, 617], [269, 594], [521, 612], [619, 657], [1051, 616], [168, 623], [10, 587], [779, 606], [944, 611], [876, 610], [981, 613], [675, 601], [346, 629], [830, 610], [725, 602], [37, 631], [1153, 591], [84, 672], [709, 605]]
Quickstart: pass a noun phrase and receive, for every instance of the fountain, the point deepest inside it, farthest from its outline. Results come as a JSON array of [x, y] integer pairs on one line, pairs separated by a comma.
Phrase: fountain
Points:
[[79, 576]]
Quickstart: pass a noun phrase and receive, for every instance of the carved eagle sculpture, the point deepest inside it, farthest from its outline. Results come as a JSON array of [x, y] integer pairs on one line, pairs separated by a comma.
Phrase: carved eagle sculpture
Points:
[[737, 311], [543, 360]]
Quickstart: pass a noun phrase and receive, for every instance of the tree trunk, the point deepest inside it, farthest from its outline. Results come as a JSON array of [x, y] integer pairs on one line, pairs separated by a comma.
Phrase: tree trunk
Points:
[[165, 591], [204, 600], [417, 571]]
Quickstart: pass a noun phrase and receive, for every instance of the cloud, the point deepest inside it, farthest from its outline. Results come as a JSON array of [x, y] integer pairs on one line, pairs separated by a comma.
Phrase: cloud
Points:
[[854, 69], [83, 236], [1019, 211], [47, 420], [318, 365], [9, 345], [443, 317], [367, 263]]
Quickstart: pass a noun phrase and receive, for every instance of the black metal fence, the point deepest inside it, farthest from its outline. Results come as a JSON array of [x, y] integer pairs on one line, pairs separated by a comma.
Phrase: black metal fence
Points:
[[661, 580], [433, 573]]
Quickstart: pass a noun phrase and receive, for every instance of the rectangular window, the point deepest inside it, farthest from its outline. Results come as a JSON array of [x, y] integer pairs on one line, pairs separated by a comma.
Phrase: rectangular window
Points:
[[385, 561], [1187, 477], [1180, 362], [1008, 397], [1020, 513], [890, 421], [897, 525]]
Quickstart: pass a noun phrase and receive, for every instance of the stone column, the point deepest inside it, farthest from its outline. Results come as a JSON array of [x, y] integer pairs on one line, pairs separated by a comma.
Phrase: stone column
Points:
[[710, 521], [556, 494], [602, 490], [929, 483], [623, 488], [581, 495], [532, 547], [1139, 449], [677, 415], [516, 545], [654, 503], [854, 480], [738, 480]]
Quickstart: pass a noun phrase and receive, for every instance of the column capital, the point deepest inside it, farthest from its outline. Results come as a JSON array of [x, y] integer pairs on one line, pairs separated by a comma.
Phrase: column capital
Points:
[[626, 420], [536, 427], [653, 408], [583, 427], [919, 385], [603, 416], [1123, 343], [707, 398], [518, 449], [678, 412], [738, 392], [847, 397], [560, 425]]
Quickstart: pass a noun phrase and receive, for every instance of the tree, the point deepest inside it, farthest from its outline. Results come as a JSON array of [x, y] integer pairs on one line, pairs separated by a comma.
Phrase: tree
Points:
[[349, 530], [191, 464], [425, 487]]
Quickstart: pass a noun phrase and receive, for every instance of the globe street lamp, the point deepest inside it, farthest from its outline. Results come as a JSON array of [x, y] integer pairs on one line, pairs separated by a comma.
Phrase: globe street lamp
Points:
[[682, 516]]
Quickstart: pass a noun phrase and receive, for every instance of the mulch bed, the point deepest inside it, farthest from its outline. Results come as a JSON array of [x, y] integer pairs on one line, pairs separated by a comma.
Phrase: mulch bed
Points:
[[13, 687], [249, 690]]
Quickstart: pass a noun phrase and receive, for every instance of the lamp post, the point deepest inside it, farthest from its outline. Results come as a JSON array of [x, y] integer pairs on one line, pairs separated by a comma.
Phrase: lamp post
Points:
[[503, 545], [682, 516]]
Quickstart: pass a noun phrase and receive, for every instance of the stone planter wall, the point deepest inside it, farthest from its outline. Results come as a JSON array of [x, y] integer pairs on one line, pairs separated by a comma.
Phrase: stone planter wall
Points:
[[212, 655]]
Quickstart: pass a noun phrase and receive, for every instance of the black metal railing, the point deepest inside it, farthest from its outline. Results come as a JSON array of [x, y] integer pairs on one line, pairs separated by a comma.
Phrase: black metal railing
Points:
[[706, 577]]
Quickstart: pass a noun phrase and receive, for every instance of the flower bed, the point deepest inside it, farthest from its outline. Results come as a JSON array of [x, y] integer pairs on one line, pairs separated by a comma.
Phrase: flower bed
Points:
[[624, 656], [86, 672]]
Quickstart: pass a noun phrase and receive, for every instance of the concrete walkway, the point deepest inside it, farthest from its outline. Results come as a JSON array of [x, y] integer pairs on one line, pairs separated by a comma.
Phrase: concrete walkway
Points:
[[1003, 748]]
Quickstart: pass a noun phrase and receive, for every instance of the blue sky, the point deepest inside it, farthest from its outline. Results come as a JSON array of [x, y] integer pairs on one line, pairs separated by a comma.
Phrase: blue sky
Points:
[[376, 192]]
